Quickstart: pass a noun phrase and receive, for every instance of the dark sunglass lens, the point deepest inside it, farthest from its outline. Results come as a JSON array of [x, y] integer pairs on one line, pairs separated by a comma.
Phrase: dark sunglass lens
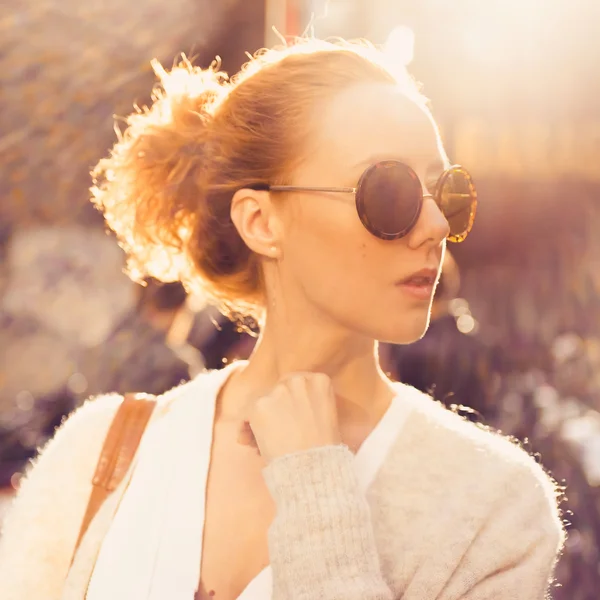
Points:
[[389, 199], [458, 201]]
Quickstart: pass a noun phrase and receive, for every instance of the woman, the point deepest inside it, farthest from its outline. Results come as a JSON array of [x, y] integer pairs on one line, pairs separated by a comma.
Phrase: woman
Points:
[[354, 487]]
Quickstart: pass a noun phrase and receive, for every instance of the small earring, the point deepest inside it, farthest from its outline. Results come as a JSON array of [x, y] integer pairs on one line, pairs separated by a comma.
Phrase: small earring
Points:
[[274, 250]]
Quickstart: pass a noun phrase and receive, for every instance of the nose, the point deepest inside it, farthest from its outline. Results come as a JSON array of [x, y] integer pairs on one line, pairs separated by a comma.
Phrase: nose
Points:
[[431, 227]]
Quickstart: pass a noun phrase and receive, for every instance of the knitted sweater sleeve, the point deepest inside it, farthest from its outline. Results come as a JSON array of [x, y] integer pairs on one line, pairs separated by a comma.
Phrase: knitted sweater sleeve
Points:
[[321, 542], [41, 527]]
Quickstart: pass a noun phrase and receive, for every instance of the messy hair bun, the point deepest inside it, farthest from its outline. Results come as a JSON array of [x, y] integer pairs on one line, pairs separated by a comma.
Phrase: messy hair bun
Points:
[[167, 185]]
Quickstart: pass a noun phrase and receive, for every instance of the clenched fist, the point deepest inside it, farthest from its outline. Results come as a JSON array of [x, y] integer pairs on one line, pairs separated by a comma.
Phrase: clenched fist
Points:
[[299, 414]]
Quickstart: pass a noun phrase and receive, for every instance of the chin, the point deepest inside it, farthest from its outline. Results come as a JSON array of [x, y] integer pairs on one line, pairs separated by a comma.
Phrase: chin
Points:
[[406, 331]]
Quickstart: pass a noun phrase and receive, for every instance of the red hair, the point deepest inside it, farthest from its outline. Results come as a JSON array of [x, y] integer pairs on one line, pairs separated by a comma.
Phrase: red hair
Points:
[[166, 187]]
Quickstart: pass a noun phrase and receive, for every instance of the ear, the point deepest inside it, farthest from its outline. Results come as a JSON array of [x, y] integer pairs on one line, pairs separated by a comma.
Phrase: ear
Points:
[[255, 219]]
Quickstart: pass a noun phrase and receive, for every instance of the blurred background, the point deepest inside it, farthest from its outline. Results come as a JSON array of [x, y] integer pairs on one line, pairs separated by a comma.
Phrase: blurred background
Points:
[[516, 332]]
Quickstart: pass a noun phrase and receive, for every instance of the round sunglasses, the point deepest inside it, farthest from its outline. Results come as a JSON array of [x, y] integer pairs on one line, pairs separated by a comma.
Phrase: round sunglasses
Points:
[[389, 198]]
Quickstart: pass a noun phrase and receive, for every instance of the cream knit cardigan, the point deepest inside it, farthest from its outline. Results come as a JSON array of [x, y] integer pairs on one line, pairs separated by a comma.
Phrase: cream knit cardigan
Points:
[[455, 512]]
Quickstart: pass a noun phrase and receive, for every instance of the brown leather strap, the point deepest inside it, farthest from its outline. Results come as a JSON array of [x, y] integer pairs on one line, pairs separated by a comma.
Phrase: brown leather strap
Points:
[[120, 446]]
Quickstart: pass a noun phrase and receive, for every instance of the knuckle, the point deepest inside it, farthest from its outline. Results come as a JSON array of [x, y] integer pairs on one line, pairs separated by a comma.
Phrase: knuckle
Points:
[[321, 382], [294, 378], [321, 379], [295, 382]]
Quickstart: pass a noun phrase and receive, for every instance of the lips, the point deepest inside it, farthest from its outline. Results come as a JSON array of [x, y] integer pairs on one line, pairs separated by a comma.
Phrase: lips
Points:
[[424, 277], [419, 286]]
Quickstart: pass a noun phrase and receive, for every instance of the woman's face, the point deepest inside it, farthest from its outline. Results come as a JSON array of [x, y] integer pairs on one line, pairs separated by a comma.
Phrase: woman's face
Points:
[[332, 266]]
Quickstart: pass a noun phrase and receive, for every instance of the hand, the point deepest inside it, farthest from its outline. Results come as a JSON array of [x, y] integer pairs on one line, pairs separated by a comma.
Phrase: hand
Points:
[[299, 414]]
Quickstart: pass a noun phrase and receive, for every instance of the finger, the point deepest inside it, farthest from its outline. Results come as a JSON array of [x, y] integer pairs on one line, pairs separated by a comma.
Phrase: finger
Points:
[[322, 390], [320, 386], [320, 383], [297, 386]]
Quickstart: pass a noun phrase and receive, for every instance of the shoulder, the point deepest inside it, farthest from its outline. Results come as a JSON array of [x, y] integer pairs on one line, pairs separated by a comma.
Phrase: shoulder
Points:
[[205, 385], [493, 469], [443, 429]]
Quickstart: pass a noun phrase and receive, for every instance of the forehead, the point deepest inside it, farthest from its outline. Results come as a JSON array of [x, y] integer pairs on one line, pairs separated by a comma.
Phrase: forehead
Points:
[[371, 122]]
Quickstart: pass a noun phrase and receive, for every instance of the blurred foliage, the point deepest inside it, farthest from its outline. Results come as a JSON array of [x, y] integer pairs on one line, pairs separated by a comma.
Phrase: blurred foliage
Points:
[[66, 68]]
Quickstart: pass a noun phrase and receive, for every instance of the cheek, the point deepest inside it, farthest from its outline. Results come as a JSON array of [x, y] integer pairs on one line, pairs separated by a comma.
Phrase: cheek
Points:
[[336, 263], [328, 237]]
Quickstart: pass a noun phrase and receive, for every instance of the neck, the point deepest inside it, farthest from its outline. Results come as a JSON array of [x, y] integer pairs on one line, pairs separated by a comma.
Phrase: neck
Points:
[[351, 361]]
